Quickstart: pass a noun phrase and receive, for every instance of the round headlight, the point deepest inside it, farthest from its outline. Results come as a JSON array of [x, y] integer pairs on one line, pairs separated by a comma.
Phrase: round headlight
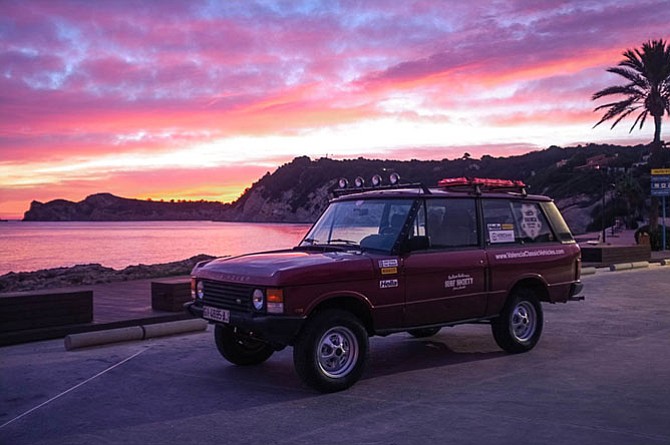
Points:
[[343, 183], [394, 178], [359, 182], [376, 180], [258, 298], [200, 290]]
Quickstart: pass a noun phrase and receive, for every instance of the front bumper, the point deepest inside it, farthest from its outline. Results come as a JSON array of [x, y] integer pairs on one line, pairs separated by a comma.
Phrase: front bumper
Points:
[[278, 330]]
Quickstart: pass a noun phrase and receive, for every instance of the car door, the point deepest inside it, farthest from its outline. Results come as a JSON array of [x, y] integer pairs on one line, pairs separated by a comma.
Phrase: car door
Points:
[[447, 281]]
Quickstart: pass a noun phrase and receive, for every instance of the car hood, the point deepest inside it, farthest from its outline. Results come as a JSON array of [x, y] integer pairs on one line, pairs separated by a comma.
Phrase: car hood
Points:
[[288, 268]]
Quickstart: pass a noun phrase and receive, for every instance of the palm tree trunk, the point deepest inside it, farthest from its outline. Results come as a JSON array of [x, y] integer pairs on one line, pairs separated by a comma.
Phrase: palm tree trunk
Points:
[[657, 132]]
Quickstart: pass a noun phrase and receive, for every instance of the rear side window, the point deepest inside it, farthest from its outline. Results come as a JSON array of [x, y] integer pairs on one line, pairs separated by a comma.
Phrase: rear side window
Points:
[[452, 223], [560, 227], [515, 222]]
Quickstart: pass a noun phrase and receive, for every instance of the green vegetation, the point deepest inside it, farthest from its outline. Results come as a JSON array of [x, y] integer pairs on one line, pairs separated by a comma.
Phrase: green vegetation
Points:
[[571, 174]]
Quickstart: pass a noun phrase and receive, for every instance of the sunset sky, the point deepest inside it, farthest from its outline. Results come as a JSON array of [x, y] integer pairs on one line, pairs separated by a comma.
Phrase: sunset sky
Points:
[[198, 99]]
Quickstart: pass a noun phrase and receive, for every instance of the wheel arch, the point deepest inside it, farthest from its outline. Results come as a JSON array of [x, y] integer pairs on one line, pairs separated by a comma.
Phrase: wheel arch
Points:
[[353, 303], [535, 284]]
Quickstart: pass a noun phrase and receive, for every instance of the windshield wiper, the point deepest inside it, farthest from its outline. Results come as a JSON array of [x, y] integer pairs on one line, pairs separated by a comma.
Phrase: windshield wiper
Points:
[[344, 241]]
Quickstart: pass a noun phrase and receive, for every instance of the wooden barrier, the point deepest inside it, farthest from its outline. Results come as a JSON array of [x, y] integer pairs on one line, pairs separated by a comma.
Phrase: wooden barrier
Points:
[[41, 309], [170, 294], [607, 255]]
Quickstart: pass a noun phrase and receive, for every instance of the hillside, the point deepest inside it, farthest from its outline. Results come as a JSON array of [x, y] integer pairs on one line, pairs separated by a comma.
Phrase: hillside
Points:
[[299, 190]]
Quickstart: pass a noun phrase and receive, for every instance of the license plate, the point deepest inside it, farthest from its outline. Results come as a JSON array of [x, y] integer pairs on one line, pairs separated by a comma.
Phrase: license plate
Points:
[[216, 314]]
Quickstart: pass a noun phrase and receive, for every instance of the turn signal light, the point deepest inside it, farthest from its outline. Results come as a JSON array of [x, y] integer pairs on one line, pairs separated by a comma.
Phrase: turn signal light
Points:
[[275, 301]]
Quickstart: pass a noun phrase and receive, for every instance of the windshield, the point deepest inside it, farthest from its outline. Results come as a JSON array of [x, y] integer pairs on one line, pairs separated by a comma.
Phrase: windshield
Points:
[[366, 224]]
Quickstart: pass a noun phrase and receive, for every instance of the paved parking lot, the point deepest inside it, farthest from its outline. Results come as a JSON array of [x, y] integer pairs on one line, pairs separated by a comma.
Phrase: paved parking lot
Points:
[[600, 375]]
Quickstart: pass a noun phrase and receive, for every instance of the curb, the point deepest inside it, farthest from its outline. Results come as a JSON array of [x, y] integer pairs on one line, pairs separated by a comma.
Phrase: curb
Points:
[[133, 333], [591, 270], [627, 266]]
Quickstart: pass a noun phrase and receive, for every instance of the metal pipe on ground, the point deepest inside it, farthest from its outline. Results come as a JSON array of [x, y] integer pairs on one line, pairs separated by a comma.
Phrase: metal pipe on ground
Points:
[[133, 333]]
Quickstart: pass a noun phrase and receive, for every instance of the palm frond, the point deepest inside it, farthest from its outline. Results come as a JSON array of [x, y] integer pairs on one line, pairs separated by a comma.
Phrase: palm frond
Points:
[[622, 104], [615, 109], [626, 90], [623, 113], [642, 115], [647, 69], [633, 76]]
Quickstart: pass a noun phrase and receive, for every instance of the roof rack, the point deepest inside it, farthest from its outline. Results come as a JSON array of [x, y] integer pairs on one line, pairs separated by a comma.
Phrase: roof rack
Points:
[[348, 191], [479, 185]]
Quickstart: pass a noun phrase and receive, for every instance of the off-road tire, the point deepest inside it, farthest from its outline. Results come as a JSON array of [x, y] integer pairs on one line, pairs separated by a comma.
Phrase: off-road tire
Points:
[[331, 352], [519, 326], [423, 332], [239, 348]]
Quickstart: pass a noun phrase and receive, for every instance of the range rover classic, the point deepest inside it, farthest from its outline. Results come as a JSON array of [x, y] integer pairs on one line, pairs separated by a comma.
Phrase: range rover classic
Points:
[[389, 259]]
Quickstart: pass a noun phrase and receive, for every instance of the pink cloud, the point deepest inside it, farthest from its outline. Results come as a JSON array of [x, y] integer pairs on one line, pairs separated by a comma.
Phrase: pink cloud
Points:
[[93, 78]]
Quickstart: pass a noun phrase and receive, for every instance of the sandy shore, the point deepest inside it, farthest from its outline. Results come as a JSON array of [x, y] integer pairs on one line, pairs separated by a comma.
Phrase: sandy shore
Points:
[[86, 274]]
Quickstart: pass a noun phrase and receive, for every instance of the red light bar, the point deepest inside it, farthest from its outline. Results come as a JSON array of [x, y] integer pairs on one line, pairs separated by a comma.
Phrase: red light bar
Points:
[[482, 183]]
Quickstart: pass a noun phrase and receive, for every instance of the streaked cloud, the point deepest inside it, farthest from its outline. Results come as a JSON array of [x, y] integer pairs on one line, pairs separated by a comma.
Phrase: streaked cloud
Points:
[[96, 96]]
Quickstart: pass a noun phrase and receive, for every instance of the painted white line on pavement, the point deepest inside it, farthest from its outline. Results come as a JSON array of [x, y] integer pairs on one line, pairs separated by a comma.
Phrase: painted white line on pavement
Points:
[[74, 387]]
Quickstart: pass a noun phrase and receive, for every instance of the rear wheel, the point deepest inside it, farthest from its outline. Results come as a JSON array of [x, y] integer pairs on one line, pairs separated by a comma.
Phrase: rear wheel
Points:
[[519, 326], [239, 347], [331, 352], [423, 332]]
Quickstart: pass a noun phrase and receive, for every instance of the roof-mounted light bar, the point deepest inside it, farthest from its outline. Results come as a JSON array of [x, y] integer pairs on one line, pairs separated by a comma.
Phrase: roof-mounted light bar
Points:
[[478, 185], [377, 184]]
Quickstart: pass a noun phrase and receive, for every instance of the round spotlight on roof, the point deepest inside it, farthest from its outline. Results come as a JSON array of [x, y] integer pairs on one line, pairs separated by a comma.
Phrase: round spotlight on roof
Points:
[[376, 181], [343, 183], [394, 178], [359, 182]]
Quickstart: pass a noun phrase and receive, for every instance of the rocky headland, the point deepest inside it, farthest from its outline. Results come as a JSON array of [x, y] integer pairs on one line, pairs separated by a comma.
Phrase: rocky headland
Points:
[[108, 207], [88, 274]]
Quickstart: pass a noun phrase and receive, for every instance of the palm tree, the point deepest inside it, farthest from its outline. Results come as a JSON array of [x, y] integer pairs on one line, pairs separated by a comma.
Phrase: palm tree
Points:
[[648, 90]]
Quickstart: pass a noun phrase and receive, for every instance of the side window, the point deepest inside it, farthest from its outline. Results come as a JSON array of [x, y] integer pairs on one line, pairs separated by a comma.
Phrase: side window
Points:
[[499, 225], [451, 223], [532, 225], [517, 222]]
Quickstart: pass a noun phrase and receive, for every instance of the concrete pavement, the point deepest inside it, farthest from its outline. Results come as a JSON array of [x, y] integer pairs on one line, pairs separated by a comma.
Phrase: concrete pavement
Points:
[[599, 375]]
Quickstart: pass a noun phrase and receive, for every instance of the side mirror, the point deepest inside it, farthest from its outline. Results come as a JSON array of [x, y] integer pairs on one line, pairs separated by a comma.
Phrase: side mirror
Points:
[[417, 243]]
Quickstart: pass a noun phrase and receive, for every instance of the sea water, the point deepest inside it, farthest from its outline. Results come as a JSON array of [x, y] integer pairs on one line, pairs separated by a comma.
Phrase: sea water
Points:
[[29, 246]]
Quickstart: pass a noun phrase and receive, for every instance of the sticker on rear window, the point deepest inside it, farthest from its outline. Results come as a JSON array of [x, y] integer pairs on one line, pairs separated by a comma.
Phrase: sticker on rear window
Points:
[[500, 233], [530, 221]]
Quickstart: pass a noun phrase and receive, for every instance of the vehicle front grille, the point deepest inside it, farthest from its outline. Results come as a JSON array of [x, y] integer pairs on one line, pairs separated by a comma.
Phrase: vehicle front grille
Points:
[[229, 296]]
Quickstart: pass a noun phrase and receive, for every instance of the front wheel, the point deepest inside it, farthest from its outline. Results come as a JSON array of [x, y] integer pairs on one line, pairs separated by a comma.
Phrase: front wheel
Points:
[[519, 326], [240, 348], [331, 352]]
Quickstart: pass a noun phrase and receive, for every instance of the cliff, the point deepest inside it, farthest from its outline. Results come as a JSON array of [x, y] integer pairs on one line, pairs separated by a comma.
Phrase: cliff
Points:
[[107, 207]]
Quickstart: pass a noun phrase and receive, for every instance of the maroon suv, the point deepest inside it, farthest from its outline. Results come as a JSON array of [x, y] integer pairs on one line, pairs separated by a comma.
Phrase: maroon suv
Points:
[[401, 258]]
